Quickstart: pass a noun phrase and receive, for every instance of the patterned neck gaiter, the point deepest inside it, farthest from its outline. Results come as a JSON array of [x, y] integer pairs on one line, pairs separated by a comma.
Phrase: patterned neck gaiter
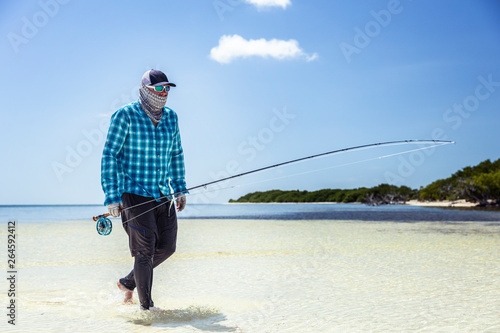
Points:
[[151, 103]]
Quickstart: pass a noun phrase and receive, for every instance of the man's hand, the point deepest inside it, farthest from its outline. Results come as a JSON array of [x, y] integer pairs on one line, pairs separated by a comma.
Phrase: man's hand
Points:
[[114, 209], [181, 202]]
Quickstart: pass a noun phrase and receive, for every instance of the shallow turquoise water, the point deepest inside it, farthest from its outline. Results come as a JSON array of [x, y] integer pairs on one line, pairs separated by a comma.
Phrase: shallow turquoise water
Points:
[[265, 276]]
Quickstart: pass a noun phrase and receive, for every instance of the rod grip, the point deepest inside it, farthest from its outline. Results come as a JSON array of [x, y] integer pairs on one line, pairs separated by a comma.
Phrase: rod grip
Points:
[[95, 218]]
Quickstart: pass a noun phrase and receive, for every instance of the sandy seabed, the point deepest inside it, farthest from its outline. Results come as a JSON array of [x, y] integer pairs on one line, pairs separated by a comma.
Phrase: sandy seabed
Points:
[[264, 276]]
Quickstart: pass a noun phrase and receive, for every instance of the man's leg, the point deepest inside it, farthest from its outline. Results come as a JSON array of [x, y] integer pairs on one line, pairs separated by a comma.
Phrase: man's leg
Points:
[[160, 256], [143, 272], [128, 284], [129, 293], [166, 218], [142, 232]]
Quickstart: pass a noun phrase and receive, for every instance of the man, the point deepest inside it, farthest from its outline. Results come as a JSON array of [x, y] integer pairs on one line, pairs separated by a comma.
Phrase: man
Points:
[[142, 159]]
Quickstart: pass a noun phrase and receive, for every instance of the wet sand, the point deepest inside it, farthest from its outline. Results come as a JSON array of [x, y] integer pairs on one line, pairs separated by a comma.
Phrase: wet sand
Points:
[[444, 203]]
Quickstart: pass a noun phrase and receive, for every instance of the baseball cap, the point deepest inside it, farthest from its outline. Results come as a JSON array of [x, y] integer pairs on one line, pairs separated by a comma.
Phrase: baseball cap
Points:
[[155, 77]]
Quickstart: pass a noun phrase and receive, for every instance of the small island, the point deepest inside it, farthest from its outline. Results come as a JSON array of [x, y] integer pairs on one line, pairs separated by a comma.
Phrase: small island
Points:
[[471, 186]]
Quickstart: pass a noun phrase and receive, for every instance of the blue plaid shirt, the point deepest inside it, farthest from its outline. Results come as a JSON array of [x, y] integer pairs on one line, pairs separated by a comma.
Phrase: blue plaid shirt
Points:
[[140, 158]]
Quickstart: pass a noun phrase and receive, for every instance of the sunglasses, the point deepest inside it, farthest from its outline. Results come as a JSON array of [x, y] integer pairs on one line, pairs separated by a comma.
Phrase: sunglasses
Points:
[[160, 88]]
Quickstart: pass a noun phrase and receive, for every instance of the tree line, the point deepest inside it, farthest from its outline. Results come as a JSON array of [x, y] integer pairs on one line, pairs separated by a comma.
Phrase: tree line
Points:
[[479, 184]]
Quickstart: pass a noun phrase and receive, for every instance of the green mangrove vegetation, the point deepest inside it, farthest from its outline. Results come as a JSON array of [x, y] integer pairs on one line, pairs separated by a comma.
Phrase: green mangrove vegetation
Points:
[[479, 184]]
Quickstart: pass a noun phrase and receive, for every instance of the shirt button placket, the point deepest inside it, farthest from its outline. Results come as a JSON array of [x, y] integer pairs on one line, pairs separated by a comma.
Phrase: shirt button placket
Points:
[[155, 162], [158, 155]]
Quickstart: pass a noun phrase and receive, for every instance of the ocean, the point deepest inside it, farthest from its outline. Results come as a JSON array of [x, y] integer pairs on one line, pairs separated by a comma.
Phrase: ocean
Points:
[[284, 211], [259, 268]]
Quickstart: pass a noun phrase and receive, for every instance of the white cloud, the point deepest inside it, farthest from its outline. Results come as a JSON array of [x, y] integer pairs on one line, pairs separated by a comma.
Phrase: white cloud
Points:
[[270, 3], [235, 46]]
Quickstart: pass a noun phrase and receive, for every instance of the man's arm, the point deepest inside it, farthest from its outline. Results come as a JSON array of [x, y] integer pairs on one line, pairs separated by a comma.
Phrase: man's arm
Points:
[[109, 163]]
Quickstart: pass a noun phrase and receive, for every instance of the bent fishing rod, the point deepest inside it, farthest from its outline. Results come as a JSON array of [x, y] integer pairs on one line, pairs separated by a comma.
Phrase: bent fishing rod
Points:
[[104, 224]]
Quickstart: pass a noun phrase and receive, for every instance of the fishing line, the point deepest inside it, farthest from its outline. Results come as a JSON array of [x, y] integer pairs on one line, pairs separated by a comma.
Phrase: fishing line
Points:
[[341, 165], [362, 147], [172, 201], [104, 225], [296, 174]]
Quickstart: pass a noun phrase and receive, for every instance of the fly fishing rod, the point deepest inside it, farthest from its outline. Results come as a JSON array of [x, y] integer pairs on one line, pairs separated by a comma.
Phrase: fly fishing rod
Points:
[[104, 225]]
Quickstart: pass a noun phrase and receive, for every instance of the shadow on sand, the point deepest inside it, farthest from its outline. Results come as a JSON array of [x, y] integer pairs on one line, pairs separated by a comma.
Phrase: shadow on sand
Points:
[[202, 318]]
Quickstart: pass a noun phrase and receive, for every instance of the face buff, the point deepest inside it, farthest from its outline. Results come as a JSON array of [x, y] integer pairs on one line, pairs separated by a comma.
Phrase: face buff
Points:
[[151, 103]]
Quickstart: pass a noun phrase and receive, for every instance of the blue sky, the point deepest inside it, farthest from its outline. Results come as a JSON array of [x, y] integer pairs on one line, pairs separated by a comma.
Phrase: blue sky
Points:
[[258, 82]]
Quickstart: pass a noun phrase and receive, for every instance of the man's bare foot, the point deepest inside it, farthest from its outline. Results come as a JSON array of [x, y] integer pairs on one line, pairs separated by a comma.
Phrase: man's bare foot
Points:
[[128, 293]]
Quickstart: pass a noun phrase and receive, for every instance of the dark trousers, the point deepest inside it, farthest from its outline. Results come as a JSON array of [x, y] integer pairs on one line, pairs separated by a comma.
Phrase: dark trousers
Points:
[[152, 239]]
